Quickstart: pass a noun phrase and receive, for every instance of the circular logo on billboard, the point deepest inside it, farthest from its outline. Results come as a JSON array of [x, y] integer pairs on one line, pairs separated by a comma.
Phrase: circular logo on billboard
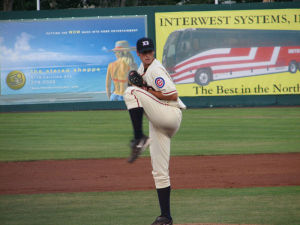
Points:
[[15, 80], [160, 82]]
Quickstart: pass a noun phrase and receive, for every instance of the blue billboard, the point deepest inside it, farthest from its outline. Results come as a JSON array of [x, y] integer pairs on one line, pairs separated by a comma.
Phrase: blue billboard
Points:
[[52, 57]]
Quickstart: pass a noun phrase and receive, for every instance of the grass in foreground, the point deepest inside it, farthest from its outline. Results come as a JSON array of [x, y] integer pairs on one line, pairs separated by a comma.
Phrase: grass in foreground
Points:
[[106, 134], [275, 205]]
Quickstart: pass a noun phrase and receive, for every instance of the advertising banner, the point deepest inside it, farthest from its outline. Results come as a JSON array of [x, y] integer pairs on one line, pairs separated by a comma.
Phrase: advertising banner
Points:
[[222, 53], [71, 56]]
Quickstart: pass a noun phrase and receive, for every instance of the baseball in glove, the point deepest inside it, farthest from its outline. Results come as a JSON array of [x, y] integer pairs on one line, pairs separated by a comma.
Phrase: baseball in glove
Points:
[[135, 78]]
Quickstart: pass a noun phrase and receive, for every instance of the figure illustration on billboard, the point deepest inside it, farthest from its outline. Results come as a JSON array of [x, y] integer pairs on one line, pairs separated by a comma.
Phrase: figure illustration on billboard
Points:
[[117, 71], [205, 55]]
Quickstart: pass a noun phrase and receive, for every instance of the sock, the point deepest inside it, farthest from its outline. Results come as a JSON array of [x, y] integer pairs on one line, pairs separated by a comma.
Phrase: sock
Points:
[[136, 115], [164, 201]]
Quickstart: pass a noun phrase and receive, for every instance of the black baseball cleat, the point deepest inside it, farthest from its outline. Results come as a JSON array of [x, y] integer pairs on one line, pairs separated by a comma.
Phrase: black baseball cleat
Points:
[[137, 147], [161, 220]]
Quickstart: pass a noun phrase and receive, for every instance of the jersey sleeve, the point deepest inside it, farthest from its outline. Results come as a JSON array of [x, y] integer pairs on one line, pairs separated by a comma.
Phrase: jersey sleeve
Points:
[[162, 82], [140, 70]]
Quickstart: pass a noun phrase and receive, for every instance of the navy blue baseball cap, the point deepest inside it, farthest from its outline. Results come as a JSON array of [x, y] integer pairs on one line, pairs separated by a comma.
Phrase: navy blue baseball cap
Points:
[[144, 45]]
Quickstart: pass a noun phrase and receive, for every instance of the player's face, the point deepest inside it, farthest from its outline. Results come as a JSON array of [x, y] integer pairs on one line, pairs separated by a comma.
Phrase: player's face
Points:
[[146, 57]]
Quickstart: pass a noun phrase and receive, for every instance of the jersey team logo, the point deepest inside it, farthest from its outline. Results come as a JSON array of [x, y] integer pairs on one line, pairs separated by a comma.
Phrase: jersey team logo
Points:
[[160, 82]]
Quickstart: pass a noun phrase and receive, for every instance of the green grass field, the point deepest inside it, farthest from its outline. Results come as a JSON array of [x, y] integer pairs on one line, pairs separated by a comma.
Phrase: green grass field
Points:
[[276, 205], [106, 134]]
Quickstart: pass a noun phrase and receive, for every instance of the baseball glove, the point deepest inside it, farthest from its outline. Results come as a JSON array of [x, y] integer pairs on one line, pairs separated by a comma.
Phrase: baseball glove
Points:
[[135, 78]]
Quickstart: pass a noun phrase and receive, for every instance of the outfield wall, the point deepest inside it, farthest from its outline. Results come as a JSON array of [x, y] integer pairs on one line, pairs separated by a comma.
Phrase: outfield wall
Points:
[[191, 100]]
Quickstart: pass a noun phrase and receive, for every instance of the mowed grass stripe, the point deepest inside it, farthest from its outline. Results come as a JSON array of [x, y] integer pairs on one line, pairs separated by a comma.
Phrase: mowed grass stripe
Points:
[[269, 205], [106, 134]]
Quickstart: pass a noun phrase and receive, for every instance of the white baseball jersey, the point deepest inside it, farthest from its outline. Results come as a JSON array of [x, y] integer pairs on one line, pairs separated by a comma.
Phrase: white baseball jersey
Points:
[[159, 79], [164, 117]]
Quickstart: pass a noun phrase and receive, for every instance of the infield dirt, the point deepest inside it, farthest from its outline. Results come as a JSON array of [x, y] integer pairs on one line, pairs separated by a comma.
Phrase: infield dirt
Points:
[[192, 172]]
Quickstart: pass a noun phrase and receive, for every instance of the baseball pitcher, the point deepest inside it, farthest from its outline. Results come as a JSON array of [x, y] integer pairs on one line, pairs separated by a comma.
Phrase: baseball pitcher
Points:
[[153, 92]]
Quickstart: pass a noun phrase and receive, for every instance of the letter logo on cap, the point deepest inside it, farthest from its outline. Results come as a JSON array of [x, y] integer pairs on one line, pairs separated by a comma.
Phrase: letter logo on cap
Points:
[[145, 43]]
